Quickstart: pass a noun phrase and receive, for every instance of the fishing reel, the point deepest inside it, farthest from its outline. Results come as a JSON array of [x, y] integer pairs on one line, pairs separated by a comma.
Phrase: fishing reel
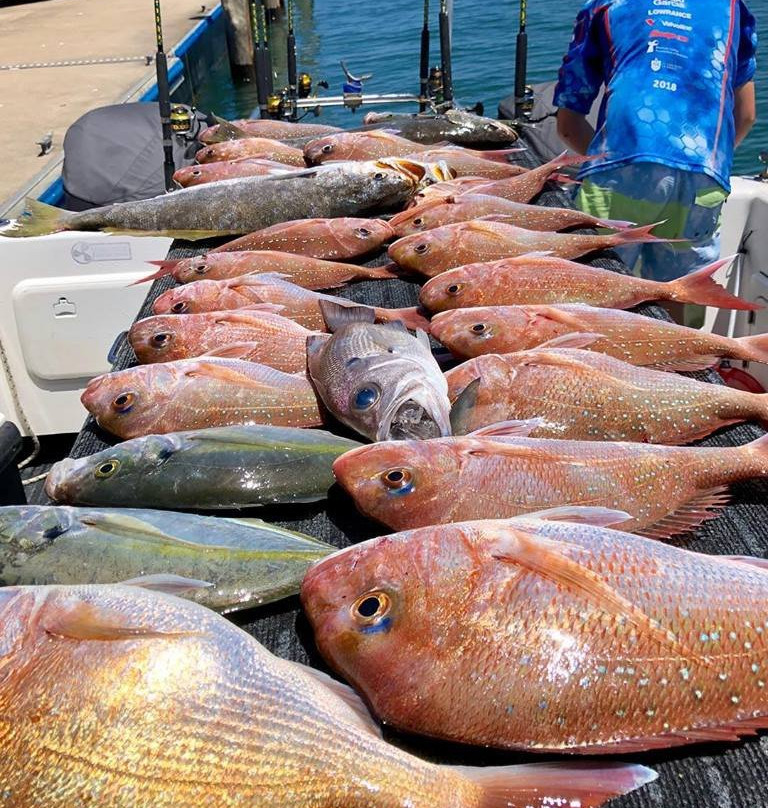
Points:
[[304, 85], [435, 84], [524, 104]]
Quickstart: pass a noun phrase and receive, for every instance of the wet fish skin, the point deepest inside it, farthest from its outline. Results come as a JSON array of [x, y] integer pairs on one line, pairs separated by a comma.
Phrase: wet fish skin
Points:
[[328, 238], [188, 176], [470, 206], [544, 279], [249, 562], [273, 340], [367, 145], [476, 241], [378, 379], [242, 205], [455, 126], [263, 148], [263, 127], [470, 163], [478, 644], [220, 467], [667, 489], [166, 690], [272, 291], [625, 335], [582, 395], [198, 393]]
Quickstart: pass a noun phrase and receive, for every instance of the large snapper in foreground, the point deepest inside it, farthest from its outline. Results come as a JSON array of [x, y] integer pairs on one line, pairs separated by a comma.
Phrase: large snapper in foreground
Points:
[[666, 489], [280, 296], [625, 335], [247, 562], [583, 395], [231, 207], [547, 635], [378, 379], [542, 278], [160, 702], [199, 393], [453, 245]]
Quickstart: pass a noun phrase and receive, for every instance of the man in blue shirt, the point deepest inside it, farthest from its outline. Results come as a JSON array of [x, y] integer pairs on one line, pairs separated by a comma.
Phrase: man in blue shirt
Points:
[[679, 97]]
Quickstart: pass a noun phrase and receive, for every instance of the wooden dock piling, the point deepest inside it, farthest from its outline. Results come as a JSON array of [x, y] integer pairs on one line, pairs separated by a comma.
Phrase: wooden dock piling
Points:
[[239, 40]]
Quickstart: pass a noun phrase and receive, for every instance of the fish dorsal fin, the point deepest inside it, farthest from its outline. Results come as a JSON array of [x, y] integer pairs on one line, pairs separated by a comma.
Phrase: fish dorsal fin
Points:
[[508, 429], [220, 371], [240, 316], [547, 559], [167, 583], [121, 524], [582, 515], [363, 717], [229, 131], [337, 315], [705, 505], [576, 339], [81, 620]]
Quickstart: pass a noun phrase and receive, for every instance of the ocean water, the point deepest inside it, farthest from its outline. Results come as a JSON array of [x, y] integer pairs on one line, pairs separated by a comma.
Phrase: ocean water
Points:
[[383, 37]]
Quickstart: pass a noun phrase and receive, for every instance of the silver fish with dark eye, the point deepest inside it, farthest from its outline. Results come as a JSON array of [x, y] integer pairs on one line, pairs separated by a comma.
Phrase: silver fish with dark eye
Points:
[[378, 379]]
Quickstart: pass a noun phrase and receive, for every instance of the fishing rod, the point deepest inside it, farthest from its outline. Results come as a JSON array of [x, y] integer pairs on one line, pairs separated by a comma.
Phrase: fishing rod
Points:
[[267, 61], [292, 73], [521, 62], [164, 101], [424, 66], [258, 59], [445, 52]]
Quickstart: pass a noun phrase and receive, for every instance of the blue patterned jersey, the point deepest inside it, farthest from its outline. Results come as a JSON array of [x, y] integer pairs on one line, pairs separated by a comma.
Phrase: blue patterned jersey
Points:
[[670, 68]]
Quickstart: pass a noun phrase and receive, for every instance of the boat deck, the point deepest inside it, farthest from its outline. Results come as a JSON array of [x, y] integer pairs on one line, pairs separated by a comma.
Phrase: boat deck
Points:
[[37, 100], [701, 776]]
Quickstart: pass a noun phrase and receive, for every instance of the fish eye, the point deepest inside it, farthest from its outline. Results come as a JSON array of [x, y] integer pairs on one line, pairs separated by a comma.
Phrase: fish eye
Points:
[[161, 339], [398, 480], [479, 328], [418, 222], [124, 402], [421, 248], [428, 181], [200, 269], [379, 175], [454, 289], [365, 397], [362, 232], [179, 307], [196, 172], [105, 470], [327, 149], [370, 607]]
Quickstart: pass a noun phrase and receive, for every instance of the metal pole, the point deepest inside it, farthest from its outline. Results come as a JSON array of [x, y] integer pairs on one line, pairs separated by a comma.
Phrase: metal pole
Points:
[[445, 52], [292, 73], [258, 61], [424, 66], [521, 60], [164, 101], [268, 79]]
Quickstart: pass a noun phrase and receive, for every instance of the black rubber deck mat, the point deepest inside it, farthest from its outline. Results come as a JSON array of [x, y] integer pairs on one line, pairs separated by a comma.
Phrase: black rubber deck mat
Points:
[[702, 776]]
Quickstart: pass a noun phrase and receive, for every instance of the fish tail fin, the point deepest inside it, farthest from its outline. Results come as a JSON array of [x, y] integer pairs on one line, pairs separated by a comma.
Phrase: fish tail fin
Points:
[[564, 179], [615, 224], [700, 287], [538, 784], [385, 272], [498, 155], [39, 219], [634, 234], [166, 268], [410, 317], [754, 349]]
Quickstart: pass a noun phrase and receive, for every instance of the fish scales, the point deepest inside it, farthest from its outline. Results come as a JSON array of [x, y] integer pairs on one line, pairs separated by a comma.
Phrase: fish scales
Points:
[[667, 490], [581, 395], [635, 338], [475, 646], [148, 720]]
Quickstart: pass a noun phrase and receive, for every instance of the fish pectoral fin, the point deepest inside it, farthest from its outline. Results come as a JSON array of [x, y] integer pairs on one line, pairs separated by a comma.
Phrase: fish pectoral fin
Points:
[[256, 279], [240, 317], [705, 505], [576, 339], [462, 407], [235, 350], [337, 314], [360, 712], [508, 429], [556, 315], [484, 227], [80, 620], [494, 445], [224, 373], [582, 515], [545, 558], [167, 583]]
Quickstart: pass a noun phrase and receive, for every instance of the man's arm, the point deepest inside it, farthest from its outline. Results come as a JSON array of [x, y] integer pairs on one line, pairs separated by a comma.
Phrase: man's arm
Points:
[[744, 110], [575, 130]]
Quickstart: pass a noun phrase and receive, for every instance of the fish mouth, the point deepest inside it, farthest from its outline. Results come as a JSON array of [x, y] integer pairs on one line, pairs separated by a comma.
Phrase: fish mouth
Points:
[[417, 413], [54, 482], [411, 421]]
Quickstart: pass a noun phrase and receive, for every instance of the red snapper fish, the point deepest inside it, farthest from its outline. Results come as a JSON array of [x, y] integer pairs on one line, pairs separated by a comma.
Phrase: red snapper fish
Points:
[[333, 239], [582, 395], [667, 489], [467, 206], [198, 393], [546, 635], [303, 270], [259, 336], [540, 278], [635, 338], [263, 127], [227, 169], [161, 702], [264, 148], [479, 240], [267, 293], [468, 163]]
